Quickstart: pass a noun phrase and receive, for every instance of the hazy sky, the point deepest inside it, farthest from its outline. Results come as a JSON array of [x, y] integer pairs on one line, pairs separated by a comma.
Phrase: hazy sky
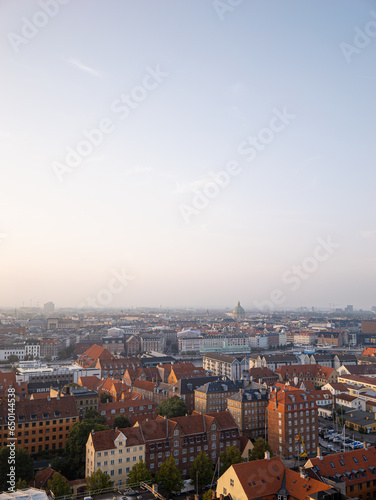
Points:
[[279, 95]]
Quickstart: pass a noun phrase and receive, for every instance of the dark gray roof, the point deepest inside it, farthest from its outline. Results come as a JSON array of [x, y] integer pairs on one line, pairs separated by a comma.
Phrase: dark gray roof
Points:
[[222, 385], [222, 357], [249, 395]]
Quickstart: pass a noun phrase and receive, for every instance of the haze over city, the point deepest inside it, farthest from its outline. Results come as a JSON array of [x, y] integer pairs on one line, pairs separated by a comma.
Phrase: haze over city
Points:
[[188, 154]]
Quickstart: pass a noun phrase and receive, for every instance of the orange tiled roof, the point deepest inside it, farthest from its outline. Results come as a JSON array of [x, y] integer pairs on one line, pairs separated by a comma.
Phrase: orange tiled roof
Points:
[[346, 466], [265, 478], [90, 357], [317, 371]]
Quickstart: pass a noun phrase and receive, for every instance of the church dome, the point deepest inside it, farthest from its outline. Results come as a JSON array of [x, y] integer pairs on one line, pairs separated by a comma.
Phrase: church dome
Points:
[[238, 311]]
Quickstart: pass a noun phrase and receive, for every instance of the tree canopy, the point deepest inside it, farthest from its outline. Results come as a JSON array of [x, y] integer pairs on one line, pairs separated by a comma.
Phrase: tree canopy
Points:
[[169, 476], [99, 480], [94, 416], [121, 421], [75, 448], [172, 407], [202, 470], [138, 473], [229, 457], [59, 485], [105, 397], [259, 449]]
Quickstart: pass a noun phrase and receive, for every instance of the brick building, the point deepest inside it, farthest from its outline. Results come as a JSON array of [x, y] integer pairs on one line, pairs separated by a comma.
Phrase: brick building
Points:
[[132, 345], [248, 407], [41, 424], [135, 409], [51, 348], [185, 437], [317, 374], [290, 414]]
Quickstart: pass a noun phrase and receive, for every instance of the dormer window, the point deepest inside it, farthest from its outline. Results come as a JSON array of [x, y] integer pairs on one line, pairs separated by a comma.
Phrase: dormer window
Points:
[[57, 413], [33, 416], [21, 418], [45, 415]]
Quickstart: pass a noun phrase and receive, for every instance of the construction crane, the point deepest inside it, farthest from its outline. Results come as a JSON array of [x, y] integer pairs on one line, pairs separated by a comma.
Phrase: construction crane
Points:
[[299, 437]]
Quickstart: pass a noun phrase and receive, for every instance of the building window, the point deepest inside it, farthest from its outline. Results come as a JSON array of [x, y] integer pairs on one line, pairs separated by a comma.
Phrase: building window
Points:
[[231, 482]]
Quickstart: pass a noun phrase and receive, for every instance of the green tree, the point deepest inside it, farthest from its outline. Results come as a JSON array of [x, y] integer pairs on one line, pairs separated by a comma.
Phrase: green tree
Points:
[[229, 457], [105, 398], [259, 449], [121, 421], [172, 407], [13, 359], [169, 477], [48, 358], [99, 480], [75, 448], [208, 495], [59, 486], [138, 473], [22, 461], [94, 416], [21, 484], [202, 470], [62, 354], [60, 465]]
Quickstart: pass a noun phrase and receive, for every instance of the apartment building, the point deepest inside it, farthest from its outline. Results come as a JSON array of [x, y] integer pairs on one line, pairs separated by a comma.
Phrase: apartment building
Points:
[[356, 469], [115, 345], [85, 399], [224, 365], [248, 408], [212, 396], [132, 345], [263, 375], [272, 361], [292, 421], [317, 374], [185, 437], [135, 409], [51, 348], [154, 343], [114, 452], [334, 338], [12, 350], [41, 424]]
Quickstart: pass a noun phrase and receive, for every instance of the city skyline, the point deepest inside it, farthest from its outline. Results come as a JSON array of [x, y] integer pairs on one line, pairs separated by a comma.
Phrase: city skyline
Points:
[[188, 154]]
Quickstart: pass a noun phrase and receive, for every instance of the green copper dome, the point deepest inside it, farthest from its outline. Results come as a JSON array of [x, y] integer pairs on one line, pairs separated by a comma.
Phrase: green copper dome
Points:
[[238, 311]]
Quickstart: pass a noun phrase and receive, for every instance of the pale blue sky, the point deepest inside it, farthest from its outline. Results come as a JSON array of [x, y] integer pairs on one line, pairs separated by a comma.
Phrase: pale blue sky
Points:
[[223, 79]]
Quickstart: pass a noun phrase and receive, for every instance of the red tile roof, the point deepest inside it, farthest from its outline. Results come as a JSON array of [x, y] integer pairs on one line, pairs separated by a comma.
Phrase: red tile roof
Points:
[[300, 371], [90, 357], [105, 440], [42, 477], [265, 478], [346, 466], [91, 383], [370, 351]]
